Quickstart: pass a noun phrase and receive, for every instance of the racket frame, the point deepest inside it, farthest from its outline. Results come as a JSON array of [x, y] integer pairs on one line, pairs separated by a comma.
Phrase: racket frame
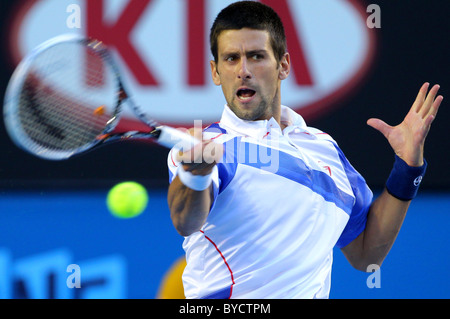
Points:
[[21, 138]]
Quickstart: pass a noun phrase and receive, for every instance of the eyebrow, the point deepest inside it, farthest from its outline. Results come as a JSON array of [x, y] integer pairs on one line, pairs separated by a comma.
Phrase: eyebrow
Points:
[[261, 51], [248, 53]]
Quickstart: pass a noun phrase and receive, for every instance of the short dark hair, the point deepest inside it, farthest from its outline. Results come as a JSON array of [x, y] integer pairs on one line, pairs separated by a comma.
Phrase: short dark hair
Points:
[[252, 15]]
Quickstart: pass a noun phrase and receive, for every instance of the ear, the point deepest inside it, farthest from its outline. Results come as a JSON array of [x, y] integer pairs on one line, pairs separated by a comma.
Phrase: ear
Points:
[[285, 66], [215, 73]]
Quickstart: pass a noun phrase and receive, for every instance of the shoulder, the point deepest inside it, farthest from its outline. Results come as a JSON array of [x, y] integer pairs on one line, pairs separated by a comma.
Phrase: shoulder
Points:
[[294, 119], [321, 135], [215, 128], [217, 133]]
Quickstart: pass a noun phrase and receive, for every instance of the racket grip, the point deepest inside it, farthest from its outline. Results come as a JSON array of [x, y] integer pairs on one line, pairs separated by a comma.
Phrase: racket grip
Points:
[[171, 137]]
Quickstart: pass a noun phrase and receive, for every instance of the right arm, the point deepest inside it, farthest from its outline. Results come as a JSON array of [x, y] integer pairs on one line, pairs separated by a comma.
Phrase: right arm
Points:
[[190, 208]]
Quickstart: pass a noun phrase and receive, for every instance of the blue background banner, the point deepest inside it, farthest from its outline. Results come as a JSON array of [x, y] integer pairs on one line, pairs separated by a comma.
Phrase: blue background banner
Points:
[[42, 233]]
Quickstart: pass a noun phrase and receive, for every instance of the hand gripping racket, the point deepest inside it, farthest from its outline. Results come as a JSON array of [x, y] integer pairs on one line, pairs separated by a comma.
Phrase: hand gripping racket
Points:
[[66, 97]]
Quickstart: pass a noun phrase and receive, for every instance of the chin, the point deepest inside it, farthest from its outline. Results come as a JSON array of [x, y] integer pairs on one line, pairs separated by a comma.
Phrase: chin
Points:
[[248, 114]]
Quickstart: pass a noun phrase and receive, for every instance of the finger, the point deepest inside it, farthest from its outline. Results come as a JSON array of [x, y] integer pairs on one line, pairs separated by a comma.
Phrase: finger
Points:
[[421, 97], [436, 104], [196, 132], [426, 106], [192, 156], [213, 152], [380, 126], [432, 114], [428, 122]]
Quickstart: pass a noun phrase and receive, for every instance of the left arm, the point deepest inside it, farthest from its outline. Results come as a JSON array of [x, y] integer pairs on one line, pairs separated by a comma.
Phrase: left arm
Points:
[[387, 213]]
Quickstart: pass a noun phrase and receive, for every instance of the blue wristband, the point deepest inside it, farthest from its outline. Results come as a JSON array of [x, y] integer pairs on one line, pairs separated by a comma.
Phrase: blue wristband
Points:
[[404, 181]]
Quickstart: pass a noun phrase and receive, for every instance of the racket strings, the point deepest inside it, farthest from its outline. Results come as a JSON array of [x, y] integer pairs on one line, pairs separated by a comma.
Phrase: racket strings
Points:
[[60, 106], [56, 122]]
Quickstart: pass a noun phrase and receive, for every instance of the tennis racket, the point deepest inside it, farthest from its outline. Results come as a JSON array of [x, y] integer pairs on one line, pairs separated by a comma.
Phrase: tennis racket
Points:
[[67, 97]]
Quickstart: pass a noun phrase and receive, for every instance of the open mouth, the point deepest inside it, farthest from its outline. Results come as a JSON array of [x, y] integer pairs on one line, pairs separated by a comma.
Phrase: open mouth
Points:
[[245, 94]]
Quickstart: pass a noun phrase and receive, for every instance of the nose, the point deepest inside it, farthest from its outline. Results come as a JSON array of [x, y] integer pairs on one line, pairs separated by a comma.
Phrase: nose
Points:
[[243, 71]]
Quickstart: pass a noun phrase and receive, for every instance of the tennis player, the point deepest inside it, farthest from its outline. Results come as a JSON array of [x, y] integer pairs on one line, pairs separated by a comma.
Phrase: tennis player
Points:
[[265, 198]]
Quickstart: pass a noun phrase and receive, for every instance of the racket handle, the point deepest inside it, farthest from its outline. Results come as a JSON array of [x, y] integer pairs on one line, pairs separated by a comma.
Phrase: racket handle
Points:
[[171, 137]]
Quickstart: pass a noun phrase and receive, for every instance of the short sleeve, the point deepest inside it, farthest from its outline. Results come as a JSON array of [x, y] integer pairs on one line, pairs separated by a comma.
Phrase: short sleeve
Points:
[[363, 199]]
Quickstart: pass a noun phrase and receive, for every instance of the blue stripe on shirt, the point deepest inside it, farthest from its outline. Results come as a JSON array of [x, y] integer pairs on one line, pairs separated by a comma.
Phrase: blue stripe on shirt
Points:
[[215, 128], [281, 164], [363, 200]]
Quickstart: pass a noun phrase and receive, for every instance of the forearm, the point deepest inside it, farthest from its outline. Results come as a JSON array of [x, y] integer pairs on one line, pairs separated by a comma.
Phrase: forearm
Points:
[[384, 220], [188, 208], [386, 215]]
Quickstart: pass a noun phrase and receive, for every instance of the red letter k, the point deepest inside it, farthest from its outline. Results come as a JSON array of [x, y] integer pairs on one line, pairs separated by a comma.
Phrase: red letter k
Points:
[[118, 35]]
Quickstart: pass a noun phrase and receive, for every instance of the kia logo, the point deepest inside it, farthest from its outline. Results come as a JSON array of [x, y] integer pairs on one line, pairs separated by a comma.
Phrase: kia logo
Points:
[[163, 47]]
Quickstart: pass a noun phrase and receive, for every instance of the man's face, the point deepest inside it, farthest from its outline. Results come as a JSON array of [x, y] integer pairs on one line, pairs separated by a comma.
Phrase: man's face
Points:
[[249, 74]]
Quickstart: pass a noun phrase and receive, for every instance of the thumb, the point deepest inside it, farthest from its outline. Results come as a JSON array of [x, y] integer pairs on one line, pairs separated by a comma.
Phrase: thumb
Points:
[[380, 126], [196, 132]]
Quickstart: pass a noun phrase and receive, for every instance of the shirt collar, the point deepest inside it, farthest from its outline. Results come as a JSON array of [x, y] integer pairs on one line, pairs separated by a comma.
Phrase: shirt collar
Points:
[[258, 129]]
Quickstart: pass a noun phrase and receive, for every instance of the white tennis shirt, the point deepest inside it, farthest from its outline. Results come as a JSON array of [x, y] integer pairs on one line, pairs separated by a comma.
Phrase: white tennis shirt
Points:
[[282, 200]]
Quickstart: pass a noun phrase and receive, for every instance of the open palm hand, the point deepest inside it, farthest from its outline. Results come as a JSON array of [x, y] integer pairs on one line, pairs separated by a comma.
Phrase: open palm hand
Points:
[[408, 138]]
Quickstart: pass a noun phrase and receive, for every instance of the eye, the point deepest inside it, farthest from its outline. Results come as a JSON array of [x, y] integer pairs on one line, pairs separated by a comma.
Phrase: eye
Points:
[[257, 56], [231, 58]]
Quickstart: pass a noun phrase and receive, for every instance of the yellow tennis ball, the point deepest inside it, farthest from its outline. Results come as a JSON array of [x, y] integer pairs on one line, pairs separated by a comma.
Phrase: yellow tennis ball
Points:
[[127, 199]]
